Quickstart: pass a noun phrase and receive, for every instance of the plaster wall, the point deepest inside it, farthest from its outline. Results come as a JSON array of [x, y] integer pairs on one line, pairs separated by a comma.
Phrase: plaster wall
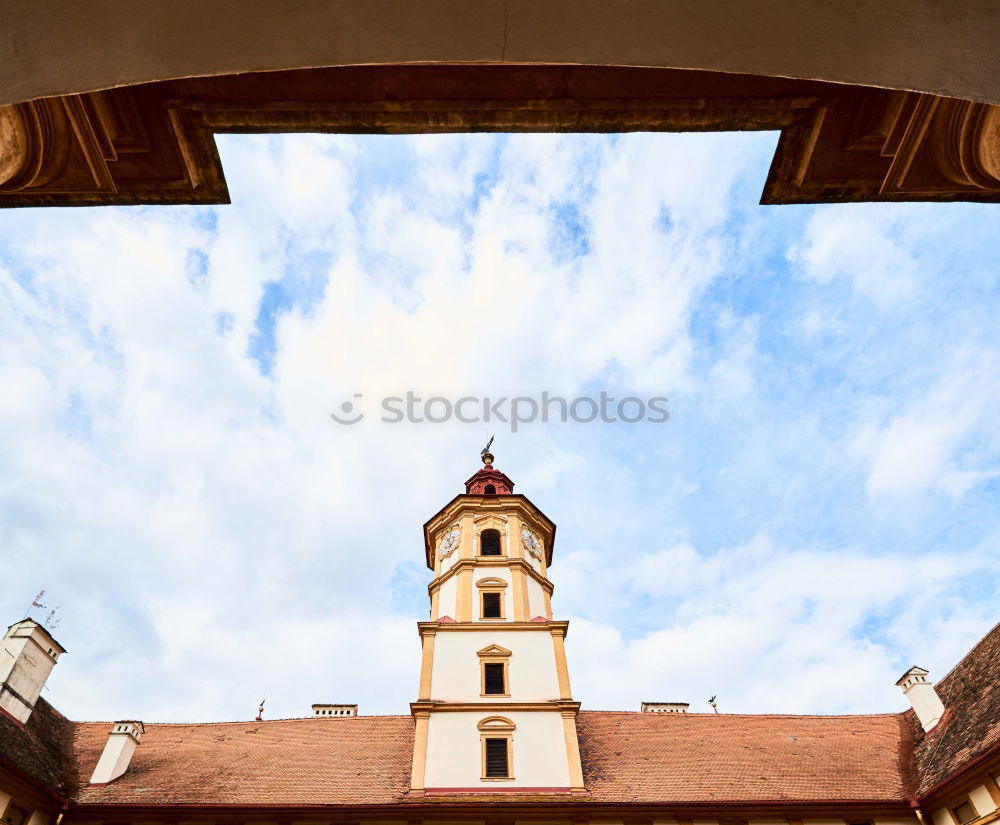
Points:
[[454, 756], [447, 595], [455, 674], [982, 801], [536, 599]]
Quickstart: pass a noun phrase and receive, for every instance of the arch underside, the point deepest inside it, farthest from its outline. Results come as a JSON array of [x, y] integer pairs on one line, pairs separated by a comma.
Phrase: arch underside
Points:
[[153, 143]]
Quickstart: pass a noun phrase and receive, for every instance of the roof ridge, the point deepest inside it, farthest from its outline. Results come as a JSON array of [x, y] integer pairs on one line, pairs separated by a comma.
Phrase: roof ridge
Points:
[[969, 652], [755, 715], [252, 721]]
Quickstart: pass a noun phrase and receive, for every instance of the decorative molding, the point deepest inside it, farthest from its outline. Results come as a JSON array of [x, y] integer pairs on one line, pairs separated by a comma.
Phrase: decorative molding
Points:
[[450, 542], [494, 651], [491, 561], [531, 543], [497, 723], [560, 706], [556, 628]]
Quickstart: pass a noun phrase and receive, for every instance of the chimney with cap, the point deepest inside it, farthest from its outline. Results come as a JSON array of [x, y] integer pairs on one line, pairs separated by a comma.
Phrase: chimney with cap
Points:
[[27, 655], [919, 690], [122, 742], [331, 711], [665, 707]]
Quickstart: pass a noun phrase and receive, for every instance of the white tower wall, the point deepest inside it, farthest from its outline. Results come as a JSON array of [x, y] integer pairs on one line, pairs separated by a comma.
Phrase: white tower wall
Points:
[[455, 672], [538, 757]]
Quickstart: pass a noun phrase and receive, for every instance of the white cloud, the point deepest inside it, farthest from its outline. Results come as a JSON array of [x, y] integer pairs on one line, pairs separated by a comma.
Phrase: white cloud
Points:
[[859, 243], [921, 447], [212, 535]]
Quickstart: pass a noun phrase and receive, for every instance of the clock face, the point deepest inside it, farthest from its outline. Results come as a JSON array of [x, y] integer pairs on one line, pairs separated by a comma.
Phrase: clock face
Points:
[[531, 543], [449, 543]]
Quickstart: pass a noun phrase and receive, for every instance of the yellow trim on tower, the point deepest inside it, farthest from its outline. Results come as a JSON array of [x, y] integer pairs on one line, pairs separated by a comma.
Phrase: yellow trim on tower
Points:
[[572, 751], [562, 669], [464, 585], [520, 594], [426, 665], [422, 719]]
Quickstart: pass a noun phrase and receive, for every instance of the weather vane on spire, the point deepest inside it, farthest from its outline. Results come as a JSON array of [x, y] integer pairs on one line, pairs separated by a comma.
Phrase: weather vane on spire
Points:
[[486, 455]]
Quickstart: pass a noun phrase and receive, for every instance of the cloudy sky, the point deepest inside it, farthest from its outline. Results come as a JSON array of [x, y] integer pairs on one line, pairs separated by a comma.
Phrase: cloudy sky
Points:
[[817, 514]]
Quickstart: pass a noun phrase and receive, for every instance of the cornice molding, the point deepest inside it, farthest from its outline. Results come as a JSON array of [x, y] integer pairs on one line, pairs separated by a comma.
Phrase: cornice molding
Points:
[[561, 706], [491, 561], [560, 628]]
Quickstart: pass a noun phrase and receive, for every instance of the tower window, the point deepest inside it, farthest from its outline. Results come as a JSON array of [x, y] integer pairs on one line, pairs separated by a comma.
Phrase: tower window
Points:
[[496, 734], [490, 490], [492, 608], [489, 543], [497, 762], [494, 679], [965, 813]]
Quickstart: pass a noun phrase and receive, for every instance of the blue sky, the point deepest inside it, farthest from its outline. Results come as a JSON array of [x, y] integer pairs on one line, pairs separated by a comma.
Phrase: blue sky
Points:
[[816, 516]]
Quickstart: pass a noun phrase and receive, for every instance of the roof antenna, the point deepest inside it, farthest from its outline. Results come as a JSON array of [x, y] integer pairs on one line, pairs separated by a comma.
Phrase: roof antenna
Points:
[[715, 707], [51, 622], [260, 711], [35, 602]]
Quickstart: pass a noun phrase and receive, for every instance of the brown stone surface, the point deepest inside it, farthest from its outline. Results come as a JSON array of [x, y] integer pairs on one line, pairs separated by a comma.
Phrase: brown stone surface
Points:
[[154, 143]]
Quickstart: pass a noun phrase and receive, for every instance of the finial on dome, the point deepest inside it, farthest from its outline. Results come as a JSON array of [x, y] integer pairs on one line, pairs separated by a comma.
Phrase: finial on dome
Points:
[[488, 481]]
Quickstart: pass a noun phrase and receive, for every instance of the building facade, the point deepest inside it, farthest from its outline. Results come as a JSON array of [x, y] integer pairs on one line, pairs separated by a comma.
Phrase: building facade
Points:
[[495, 735]]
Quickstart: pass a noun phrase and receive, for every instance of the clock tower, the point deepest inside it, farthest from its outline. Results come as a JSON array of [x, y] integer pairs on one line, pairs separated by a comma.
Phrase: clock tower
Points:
[[494, 711]]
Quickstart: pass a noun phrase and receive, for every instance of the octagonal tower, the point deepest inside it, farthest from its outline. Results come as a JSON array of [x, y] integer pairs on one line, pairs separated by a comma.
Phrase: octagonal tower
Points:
[[495, 711]]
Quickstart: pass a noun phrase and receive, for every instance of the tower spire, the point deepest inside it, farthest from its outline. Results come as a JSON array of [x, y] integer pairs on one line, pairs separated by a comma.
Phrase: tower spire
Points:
[[489, 481]]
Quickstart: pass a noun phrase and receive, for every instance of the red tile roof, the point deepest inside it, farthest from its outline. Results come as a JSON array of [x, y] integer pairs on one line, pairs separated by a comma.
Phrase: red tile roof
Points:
[[675, 757], [38, 750], [627, 757], [970, 726], [361, 760]]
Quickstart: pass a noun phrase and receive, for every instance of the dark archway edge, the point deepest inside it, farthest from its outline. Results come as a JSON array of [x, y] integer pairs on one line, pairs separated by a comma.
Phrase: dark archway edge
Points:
[[153, 143]]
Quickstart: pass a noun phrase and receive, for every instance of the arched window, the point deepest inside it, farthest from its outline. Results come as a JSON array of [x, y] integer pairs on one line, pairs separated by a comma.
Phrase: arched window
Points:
[[489, 490], [496, 733], [489, 543]]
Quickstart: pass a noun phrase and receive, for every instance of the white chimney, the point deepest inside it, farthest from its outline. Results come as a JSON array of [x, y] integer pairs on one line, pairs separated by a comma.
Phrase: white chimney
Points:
[[334, 711], [918, 689], [122, 742], [665, 707], [27, 655]]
